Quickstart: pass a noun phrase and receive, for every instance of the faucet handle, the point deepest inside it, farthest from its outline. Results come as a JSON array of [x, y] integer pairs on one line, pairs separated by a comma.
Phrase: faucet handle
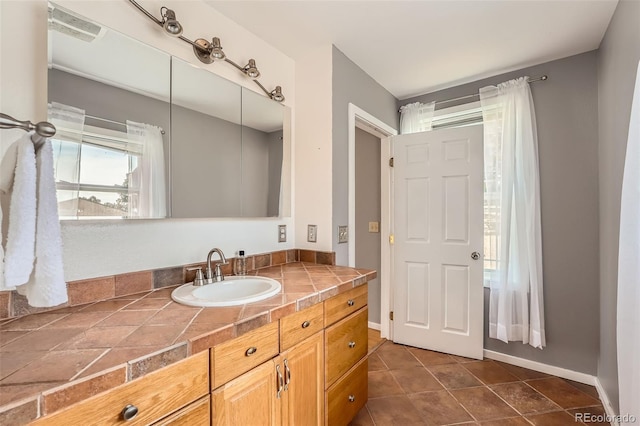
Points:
[[199, 280], [217, 274]]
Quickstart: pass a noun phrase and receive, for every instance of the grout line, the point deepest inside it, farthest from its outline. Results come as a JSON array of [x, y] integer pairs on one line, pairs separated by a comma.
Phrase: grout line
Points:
[[90, 364]]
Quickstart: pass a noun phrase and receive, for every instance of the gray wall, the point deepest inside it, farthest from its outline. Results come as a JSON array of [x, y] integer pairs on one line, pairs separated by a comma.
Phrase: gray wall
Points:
[[617, 62], [204, 165], [368, 210], [351, 85], [220, 169], [567, 113]]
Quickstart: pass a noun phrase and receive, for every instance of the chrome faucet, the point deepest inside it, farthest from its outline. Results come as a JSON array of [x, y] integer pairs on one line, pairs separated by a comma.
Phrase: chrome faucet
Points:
[[216, 275]]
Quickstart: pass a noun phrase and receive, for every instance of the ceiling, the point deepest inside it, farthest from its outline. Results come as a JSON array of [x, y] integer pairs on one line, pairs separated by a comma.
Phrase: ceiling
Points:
[[420, 46]]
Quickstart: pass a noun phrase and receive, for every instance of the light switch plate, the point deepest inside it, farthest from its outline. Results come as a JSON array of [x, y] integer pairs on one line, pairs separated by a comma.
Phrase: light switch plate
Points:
[[374, 226], [343, 234], [312, 233], [282, 233]]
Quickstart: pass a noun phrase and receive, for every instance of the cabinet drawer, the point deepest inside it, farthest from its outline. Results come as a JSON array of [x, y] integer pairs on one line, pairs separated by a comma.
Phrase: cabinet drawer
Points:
[[155, 396], [348, 395], [297, 327], [195, 414], [231, 359], [345, 344], [344, 304]]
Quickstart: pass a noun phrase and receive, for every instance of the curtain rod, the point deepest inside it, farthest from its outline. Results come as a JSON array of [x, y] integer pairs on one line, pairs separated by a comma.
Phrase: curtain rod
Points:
[[42, 129], [475, 95], [114, 122]]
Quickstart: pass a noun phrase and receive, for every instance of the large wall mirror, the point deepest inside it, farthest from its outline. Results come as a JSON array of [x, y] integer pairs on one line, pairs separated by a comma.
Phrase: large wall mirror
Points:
[[142, 134]]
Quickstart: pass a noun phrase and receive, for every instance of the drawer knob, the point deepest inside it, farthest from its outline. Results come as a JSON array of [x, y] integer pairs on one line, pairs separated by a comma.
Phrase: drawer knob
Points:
[[352, 344], [129, 412], [352, 398], [350, 302], [252, 350], [306, 324]]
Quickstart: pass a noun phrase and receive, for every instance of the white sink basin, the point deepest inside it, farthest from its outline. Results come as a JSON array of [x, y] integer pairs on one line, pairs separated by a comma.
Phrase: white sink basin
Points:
[[232, 291]]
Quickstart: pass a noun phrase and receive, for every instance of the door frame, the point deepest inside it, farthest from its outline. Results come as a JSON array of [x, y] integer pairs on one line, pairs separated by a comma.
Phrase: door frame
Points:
[[357, 117]]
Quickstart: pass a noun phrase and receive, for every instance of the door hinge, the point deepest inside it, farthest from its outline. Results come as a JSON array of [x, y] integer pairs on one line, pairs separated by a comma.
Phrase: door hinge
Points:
[[391, 162], [391, 315], [391, 239]]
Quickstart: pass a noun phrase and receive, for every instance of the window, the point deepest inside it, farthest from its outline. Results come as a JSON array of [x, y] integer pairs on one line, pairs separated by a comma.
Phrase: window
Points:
[[93, 176]]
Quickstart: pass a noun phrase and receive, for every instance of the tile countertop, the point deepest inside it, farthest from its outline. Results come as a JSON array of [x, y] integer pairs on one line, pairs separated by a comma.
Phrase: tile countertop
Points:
[[51, 360]]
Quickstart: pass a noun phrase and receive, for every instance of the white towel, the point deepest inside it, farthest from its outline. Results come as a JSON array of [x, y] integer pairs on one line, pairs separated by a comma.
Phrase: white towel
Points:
[[20, 249], [46, 286]]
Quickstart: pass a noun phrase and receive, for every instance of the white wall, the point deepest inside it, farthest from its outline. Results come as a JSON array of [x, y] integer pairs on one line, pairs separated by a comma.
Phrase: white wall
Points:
[[313, 148], [96, 248]]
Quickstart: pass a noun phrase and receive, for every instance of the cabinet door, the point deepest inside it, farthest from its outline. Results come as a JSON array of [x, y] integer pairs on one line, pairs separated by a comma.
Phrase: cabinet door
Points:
[[250, 399], [303, 398]]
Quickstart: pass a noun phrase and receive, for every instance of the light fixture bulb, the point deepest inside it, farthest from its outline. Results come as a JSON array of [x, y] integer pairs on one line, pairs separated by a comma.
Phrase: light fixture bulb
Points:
[[216, 49], [276, 94], [170, 23], [251, 70]]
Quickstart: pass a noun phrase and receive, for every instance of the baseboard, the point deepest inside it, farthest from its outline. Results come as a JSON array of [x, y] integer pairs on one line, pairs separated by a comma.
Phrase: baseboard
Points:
[[374, 325], [606, 403], [576, 376]]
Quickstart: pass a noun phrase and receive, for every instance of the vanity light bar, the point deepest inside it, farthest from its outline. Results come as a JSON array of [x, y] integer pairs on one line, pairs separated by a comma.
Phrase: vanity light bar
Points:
[[207, 51]]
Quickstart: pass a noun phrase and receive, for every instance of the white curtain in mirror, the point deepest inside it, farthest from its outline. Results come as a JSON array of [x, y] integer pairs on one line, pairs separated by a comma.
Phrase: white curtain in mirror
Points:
[[416, 117], [146, 182], [67, 148], [516, 310]]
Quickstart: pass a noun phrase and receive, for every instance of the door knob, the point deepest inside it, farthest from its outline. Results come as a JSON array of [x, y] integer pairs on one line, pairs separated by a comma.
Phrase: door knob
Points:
[[475, 255]]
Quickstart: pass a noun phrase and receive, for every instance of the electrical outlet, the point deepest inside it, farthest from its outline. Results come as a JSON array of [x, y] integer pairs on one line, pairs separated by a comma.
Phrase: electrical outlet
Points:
[[312, 233], [343, 234], [282, 233], [374, 226]]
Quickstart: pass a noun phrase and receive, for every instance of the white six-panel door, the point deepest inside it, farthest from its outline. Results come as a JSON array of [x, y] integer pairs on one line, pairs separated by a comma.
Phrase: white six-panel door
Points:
[[438, 226]]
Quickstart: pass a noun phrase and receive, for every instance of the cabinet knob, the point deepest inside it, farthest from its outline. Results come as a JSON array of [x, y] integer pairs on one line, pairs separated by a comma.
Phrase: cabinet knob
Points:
[[352, 344], [306, 324], [350, 302], [252, 350], [352, 398], [129, 412]]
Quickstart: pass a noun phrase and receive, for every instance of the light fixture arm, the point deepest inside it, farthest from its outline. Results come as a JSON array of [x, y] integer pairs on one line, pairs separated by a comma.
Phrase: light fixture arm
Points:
[[143, 10], [203, 51], [241, 69], [263, 88]]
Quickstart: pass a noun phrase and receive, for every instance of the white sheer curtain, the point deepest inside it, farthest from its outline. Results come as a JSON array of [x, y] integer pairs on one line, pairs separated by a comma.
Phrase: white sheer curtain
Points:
[[511, 173], [69, 122], [416, 117], [628, 315], [147, 185]]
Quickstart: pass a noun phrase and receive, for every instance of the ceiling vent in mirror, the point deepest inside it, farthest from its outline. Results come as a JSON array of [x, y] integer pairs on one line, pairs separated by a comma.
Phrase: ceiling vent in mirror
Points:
[[72, 25], [208, 52]]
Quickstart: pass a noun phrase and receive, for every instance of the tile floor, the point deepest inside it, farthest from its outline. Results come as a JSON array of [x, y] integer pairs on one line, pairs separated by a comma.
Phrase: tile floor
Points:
[[410, 386]]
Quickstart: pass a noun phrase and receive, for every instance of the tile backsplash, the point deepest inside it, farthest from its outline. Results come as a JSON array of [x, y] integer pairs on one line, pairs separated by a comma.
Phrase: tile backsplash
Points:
[[101, 288]]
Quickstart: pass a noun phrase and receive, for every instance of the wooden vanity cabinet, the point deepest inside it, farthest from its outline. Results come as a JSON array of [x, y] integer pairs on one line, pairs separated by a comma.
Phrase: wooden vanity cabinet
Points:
[[285, 390], [154, 396], [346, 346]]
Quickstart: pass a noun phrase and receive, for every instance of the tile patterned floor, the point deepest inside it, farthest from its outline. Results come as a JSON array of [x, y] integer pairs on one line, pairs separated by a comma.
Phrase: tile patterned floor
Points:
[[410, 386]]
